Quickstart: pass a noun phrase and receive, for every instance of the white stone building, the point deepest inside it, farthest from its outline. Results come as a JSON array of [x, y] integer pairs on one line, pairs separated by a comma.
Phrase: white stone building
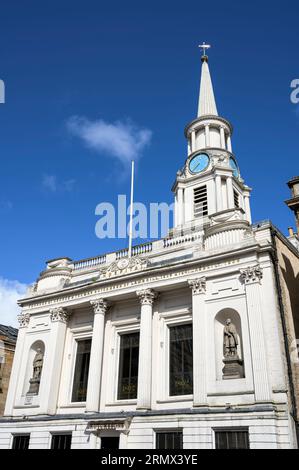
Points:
[[130, 350]]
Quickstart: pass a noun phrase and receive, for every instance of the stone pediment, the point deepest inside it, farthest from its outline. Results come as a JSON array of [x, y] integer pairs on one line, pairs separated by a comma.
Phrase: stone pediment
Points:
[[124, 266]]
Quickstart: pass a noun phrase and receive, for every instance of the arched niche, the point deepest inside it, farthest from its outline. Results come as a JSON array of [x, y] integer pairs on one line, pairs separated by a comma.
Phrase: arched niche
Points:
[[219, 324], [37, 346]]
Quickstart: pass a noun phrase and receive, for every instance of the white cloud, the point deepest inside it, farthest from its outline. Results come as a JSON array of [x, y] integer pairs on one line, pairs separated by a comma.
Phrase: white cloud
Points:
[[122, 140], [10, 293], [51, 184]]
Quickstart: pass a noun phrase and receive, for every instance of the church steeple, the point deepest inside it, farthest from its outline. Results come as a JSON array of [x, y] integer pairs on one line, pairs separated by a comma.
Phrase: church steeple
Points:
[[209, 189], [206, 103]]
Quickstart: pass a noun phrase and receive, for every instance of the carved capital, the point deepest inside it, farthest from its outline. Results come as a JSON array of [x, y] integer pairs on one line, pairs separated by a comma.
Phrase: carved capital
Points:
[[252, 274], [24, 319], [59, 314], [146, 296], [99, 306], [198, 286]]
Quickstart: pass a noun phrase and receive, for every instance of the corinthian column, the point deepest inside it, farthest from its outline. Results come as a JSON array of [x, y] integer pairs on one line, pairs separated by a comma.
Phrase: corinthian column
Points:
[[198, 287], [146, 298], [100, 308], [53, 359], [252, 277]]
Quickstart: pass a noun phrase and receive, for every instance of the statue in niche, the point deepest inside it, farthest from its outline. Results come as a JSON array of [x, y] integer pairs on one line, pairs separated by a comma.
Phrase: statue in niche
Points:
[[233, 365], [230, 339], [37, 371]]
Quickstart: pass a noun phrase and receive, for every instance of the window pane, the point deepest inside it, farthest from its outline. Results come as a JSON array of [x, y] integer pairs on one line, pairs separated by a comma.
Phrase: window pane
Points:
[[230, 439], [128, 366], [81, 370], [169, 440], [21, 442], [181, 360], [61, 441]]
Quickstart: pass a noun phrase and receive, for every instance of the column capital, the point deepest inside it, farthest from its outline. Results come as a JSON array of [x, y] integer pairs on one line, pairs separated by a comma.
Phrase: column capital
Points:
[[23, 320], [146, 296], [198, 285], [99, 305], [59, 314], [252, 274]]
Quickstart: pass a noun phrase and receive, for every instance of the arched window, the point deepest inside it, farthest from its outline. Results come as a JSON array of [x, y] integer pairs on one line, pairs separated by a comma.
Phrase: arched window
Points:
[[222, 345]]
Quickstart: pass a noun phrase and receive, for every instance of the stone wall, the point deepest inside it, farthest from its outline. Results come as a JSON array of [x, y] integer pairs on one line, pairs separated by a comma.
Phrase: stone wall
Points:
[[5, 368], [289, 281]]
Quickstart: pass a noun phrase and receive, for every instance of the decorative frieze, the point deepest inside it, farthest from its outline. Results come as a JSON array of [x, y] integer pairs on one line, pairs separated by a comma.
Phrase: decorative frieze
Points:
[[251, 274], [59, 314], [23, 320], [100, 306], [75, 296], [198, 286], [146, 296]]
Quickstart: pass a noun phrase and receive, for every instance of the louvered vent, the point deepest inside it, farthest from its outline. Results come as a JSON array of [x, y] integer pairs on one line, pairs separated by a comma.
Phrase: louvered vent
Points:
[[200, 201], [236, 199]]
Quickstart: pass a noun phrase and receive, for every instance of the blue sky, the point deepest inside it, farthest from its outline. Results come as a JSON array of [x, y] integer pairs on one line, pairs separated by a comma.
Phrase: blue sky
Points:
[[135, 64]]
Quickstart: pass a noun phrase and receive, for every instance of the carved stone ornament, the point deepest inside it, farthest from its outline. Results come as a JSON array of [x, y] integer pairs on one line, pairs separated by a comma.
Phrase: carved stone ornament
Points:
[[251, 274], [198, 286], [146, 296], [59, 314], [100, 306], [124, 266], [24, 319]]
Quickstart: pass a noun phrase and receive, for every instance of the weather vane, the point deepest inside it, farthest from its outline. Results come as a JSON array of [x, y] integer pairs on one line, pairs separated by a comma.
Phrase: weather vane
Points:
[[204, 47]]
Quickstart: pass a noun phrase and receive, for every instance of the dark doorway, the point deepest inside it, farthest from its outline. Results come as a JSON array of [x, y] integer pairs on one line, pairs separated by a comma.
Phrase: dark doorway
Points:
[[110, 442]]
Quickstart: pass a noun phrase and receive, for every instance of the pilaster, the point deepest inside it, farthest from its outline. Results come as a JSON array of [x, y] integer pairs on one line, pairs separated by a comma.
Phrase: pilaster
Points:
[[198, 287], [100, 307]]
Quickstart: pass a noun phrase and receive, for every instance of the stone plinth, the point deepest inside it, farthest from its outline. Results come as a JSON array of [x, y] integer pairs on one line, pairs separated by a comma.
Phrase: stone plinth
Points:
[[233, 368]]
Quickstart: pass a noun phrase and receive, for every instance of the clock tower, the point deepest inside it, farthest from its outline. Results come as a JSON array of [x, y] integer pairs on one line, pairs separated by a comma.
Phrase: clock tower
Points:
[[209, 189]]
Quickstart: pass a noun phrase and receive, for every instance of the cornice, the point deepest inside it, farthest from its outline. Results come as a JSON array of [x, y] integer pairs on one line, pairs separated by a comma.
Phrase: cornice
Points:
[[181, 269], [208, 118]]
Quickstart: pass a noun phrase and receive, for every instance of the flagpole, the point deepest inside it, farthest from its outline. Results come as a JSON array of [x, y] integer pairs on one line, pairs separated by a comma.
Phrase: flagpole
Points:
[[131, 212]]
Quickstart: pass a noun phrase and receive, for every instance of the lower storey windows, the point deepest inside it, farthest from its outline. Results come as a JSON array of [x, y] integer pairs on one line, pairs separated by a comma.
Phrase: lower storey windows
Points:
[[20, 441], [231, 439], [169, 440], [61, 441]]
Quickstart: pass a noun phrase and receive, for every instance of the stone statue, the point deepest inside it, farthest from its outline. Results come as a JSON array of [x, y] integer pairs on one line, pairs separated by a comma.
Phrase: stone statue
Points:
[[230, 339], [233, 365], [37, 371]]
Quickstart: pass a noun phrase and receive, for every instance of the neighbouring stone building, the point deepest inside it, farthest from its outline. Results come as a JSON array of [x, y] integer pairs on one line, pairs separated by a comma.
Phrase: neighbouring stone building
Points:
[[188, 343], [8, 339]]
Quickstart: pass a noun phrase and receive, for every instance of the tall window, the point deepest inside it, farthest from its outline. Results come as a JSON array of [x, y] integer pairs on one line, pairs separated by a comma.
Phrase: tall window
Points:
[[169, 440], [61, 441], [128, 366], [21, 442], [232, 439], [81, 370], [181, 360], [200, 201]]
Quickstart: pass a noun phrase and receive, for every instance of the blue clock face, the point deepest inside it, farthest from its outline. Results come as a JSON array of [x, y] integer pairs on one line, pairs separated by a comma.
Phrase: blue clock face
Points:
[[235, 168], [199, 163]]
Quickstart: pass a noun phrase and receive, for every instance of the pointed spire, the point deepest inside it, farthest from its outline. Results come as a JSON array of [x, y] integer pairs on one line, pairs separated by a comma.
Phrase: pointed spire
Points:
[[207, 103]]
